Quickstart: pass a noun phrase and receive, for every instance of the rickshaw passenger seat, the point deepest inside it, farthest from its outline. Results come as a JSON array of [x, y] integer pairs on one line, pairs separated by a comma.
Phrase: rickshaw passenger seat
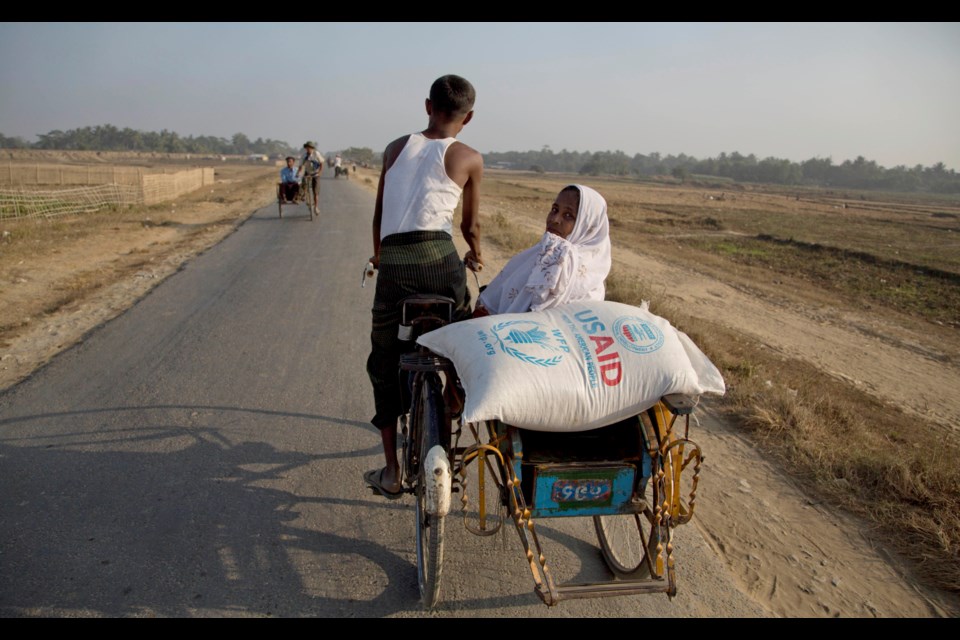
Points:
[[618, 441]]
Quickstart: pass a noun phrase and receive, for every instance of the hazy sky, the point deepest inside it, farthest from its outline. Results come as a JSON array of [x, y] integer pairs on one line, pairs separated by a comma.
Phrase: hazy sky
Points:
[[887, 91]]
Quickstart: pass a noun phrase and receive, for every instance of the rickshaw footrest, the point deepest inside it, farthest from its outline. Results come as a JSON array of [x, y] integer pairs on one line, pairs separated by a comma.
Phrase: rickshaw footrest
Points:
[[604, 589]]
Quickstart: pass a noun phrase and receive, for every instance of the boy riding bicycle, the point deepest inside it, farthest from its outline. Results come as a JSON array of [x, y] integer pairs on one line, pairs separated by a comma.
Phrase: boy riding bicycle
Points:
[[424, 175]]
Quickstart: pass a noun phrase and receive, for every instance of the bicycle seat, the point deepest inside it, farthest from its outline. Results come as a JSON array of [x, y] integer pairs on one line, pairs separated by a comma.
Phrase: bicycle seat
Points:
[[423, 304], [425, 311], [427, 298]]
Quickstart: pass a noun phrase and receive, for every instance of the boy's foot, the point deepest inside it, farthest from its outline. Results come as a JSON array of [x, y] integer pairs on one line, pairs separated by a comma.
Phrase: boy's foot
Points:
[[374, 478]]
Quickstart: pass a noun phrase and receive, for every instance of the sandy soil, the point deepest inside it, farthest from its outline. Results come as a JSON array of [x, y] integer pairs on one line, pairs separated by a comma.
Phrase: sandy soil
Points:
[[796, 557]]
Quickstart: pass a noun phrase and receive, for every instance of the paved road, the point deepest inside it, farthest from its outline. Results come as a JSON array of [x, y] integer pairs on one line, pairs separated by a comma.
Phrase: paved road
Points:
[[201, 455]]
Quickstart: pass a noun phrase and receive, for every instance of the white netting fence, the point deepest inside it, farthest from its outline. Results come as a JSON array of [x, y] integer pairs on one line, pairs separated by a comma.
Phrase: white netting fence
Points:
[[70, 175], [19, 201]]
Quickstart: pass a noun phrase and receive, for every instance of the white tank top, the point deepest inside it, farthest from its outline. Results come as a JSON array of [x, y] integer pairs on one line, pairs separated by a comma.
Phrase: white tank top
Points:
[[418, 195]]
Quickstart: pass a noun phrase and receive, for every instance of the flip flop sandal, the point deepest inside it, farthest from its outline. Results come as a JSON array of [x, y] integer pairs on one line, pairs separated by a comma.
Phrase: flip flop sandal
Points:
[[374, 478]]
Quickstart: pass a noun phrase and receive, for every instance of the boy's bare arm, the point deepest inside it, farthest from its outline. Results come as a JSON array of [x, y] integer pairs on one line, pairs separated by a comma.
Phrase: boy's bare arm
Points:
[[469, 164], [377, 217]]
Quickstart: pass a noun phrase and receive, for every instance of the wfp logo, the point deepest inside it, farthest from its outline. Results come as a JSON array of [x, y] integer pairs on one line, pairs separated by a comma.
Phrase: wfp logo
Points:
[[637, 335], [527, 341]]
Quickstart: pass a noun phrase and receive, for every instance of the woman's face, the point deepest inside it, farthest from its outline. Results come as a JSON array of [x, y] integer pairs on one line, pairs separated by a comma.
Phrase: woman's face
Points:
[[563, 214]]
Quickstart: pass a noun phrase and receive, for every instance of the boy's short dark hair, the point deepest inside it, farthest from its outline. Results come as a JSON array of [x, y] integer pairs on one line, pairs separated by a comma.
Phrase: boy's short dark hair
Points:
[[452, 95], [290, 158]]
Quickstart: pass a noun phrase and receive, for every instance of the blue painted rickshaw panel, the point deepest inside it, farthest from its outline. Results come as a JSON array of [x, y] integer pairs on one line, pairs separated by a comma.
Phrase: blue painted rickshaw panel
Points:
[[564, 490], [543, 503]]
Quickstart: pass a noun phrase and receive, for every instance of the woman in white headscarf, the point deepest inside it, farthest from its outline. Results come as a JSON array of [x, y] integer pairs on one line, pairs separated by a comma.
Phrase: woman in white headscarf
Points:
[[570, 263]]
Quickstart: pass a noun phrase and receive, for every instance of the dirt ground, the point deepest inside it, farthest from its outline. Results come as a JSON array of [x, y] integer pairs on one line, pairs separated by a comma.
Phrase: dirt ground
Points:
[[795, 556]]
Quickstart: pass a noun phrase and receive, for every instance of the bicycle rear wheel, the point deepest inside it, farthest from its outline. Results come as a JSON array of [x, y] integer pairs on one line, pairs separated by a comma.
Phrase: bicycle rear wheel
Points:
[[428, 414], [630, 542], [622, 543]]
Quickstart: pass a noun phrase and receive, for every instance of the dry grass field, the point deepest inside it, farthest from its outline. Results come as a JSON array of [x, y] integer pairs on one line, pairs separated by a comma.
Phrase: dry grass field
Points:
[[832, 315]]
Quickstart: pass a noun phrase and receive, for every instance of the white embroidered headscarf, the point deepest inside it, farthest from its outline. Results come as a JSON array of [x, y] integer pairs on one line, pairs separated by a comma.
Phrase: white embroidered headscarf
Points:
[[556, 271]]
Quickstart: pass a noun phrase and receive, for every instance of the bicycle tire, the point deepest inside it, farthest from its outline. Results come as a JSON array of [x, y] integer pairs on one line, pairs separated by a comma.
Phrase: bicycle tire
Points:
[[311, 194], [621, 542], [429, 527], [410, 440], [620, 536]]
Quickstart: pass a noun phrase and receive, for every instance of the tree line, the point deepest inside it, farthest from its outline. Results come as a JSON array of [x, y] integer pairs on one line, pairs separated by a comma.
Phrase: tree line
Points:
[[110, 138], [853, 174]]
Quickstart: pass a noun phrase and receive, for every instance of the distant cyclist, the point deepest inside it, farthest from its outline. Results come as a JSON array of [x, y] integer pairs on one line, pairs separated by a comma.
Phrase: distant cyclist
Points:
[[311, 164]]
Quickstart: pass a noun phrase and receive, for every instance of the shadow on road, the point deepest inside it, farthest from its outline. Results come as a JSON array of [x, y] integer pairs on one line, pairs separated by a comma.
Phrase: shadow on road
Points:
[[175, 520]]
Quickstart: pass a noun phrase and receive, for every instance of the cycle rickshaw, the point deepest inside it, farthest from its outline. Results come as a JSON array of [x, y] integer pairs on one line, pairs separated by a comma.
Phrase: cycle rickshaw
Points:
[[304, 195], [636, 479]]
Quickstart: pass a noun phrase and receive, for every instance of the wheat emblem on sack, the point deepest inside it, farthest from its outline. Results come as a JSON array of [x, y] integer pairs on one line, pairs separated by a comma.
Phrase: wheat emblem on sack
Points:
[[521, 336]]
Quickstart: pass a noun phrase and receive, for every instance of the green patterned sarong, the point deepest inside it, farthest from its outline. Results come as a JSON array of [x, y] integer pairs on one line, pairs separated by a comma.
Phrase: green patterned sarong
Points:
[[412, 262]]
